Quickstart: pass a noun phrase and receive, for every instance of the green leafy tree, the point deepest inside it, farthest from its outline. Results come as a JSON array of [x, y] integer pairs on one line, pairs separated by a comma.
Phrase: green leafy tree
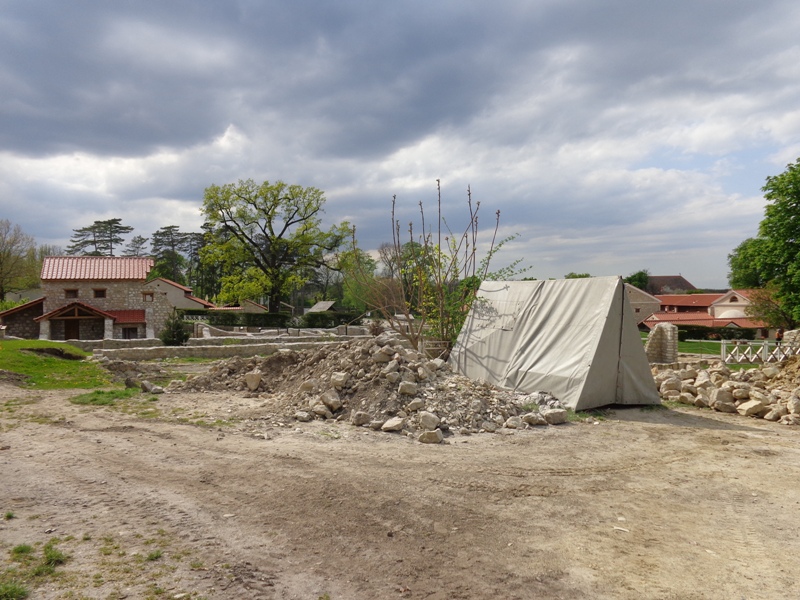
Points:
[[168, 245], [573, 275], [174, 332], [748, 264], [203, 277], [358, 273], [98, 239], [771, 261], [639, 279], [137, 246], [270, 237], [766, 306], [15, 250]]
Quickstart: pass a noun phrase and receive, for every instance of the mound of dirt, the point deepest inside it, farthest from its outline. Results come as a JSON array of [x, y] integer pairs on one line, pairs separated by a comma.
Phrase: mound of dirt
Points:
[[370, 382], [13, 378], [57, 352]]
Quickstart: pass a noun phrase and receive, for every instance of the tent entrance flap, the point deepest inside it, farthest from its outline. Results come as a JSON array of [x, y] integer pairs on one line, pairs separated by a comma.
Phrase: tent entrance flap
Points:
[[574, 338]]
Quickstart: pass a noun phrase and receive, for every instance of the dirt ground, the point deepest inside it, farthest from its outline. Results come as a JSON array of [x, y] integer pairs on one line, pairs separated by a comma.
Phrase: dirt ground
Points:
[[207, 496]]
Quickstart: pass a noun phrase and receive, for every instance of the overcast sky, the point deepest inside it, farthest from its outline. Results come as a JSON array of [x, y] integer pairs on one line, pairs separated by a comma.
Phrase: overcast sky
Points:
[[612, 136]]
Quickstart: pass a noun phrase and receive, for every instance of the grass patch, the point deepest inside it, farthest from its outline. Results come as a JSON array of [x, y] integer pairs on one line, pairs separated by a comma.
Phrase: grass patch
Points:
[[12, 590], [594, 414], [38, 369], [104, 397], [652, 407], [9, 515], [154, 555], [29, 567], [21, 551]]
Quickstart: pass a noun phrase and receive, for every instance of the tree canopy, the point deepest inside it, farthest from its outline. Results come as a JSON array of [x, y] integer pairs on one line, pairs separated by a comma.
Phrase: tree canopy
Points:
[[98, 239], [772, 259], [269, 236], [16, 247], [168, 246], [639, 279]]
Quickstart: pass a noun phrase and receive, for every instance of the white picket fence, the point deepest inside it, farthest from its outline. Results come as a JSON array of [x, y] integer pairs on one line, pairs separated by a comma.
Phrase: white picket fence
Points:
[[749, 352]]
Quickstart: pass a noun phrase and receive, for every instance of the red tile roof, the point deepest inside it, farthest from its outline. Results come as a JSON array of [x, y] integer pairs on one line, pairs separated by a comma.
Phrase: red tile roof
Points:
[[96, 268], [205, 303], [128, 316], [174, 284], [120, 316], [696, 300]]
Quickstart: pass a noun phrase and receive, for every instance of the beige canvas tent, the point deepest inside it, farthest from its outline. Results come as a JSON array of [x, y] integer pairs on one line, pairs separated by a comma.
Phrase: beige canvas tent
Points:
[[574, 338]]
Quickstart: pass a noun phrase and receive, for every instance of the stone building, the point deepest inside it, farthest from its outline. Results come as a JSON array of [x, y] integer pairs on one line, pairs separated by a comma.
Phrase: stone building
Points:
[[92, 297]]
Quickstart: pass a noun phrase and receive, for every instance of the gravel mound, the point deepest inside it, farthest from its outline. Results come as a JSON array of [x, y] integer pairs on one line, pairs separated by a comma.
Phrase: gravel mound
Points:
[[378, 383]]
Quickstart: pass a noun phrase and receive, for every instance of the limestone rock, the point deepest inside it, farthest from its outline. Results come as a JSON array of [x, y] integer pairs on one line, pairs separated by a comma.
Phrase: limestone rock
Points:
[[719, 395], [321, 410], [437, 363], [393, 424], [408, 388], [533, 418], [726, 407], [671, 384], [750, 408], [770, 371], [428, 421], [303, 416], [555, 416], [775, 413], [741, 394], [393, 377], [339, 379], [330, 398], [253, 380], [391, 367], [360, 417], [415, 405], [434, 436], [514, 423]]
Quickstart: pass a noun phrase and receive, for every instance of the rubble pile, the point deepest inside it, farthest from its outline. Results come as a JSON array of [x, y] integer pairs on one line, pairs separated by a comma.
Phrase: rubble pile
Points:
[[771, 392], [377, 383]]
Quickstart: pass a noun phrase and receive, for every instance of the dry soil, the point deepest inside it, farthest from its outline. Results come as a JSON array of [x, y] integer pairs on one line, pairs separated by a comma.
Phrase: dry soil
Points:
[[202, 496]]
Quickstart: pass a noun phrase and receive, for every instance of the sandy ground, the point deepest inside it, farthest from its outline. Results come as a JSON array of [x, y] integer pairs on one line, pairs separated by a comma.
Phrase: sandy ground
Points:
[[207, 496]]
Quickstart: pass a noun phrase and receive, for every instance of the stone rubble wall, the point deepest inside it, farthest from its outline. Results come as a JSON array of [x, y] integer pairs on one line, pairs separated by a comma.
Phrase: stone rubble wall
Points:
[[662, 344], [770, 392], [379, 383], [220, 351]]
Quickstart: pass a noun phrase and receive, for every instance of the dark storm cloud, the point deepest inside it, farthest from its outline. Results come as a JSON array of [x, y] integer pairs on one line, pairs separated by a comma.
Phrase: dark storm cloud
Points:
[[579, 120]]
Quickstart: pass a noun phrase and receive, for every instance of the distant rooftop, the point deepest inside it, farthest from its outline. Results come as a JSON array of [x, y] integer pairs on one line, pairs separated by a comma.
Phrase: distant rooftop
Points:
[[95, 268]]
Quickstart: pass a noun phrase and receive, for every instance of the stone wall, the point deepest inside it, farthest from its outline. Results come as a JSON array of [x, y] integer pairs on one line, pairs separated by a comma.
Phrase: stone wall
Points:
[[21, 324], [215, 352], [662, 344], [119, 295]]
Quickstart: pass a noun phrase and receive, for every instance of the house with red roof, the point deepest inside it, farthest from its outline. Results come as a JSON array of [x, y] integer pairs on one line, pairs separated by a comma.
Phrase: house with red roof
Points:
[[98, 297], [708, 310], [178, 295]]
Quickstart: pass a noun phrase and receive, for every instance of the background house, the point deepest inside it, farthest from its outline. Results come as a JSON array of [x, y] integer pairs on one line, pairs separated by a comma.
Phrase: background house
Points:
[[92, 297], [667, 284], [707, 310], [643, 304], [179, 296]]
